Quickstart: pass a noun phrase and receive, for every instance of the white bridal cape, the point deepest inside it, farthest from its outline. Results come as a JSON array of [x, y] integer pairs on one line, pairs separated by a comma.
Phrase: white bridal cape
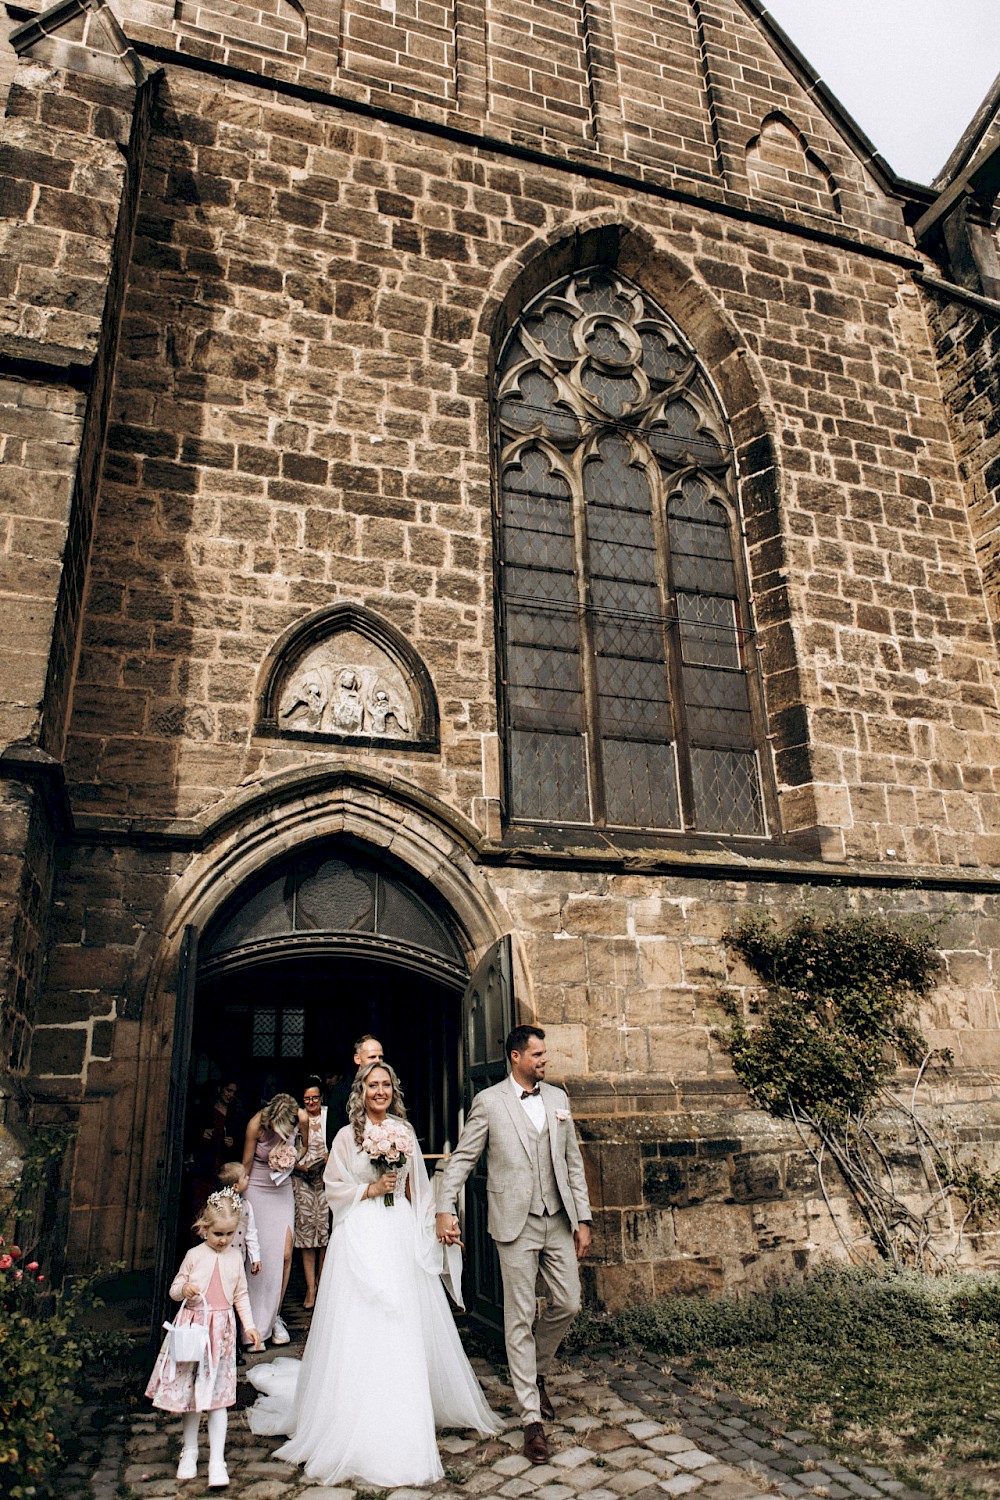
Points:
[[383, 1364]]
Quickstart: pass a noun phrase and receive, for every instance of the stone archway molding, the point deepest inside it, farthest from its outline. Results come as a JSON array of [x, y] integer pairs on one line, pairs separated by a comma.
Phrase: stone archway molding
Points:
[[378, 815]]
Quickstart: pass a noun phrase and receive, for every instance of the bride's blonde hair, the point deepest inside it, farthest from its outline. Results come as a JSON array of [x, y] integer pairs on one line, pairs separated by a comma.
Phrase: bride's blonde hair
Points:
[[356, 1102]]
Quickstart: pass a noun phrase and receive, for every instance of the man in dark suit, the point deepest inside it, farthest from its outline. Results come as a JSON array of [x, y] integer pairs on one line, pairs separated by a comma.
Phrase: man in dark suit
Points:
[[367, 1049]]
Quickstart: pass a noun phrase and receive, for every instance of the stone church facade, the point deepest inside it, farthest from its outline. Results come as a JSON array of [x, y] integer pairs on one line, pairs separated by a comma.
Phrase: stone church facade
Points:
[[491, 492]]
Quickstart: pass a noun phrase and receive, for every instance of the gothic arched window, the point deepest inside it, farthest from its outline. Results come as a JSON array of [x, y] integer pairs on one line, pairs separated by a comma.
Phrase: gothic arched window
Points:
[[623, 614]]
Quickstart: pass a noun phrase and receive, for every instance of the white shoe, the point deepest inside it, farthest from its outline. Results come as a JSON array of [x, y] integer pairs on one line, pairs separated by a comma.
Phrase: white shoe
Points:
[[188, 1466], [218, 1476], [279, 1333]]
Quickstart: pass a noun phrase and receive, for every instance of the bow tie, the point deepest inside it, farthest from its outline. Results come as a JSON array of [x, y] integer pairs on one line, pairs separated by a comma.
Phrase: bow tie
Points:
[[530, 1093]]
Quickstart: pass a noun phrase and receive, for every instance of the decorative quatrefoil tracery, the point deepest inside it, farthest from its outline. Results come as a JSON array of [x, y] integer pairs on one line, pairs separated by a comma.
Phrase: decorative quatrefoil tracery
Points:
[[593, 353]]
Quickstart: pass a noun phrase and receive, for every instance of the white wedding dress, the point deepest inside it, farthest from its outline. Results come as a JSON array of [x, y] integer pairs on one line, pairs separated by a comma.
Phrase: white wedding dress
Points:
[[383, 1364]]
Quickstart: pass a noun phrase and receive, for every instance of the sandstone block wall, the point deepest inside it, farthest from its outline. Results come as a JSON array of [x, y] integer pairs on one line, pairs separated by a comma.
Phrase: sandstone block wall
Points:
[[292, 294]]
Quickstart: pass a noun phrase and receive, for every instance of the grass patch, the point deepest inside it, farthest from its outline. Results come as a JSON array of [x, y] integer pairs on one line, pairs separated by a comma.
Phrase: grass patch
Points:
[[902, 1370]]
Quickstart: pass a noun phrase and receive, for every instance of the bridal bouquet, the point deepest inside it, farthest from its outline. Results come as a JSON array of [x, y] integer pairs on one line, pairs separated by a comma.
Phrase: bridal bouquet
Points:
[[388, 1145]]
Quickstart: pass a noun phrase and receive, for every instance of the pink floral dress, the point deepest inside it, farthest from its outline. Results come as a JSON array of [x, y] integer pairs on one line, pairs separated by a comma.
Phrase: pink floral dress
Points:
[[212, 1383]]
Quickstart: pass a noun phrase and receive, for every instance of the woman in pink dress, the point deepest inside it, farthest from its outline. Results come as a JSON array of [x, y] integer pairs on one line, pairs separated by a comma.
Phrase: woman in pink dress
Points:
[[274, 1143]]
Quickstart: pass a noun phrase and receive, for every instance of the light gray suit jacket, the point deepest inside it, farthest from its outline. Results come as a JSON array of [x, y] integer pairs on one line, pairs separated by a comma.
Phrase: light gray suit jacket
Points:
[[498, 1122]]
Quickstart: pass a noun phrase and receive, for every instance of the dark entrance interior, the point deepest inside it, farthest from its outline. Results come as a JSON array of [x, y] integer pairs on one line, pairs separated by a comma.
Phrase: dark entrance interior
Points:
[[271, 1026]]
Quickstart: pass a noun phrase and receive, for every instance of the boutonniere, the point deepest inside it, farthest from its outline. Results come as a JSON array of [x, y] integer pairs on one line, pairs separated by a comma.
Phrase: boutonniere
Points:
[[562, 1114]]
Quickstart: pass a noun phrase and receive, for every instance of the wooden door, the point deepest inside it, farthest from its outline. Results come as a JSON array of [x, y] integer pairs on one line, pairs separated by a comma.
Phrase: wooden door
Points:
[[173, 1146], [488, 1013]]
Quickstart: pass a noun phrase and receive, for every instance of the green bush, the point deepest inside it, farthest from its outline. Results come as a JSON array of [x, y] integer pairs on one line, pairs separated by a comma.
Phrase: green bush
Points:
[[43, 1349], [836, 1308]]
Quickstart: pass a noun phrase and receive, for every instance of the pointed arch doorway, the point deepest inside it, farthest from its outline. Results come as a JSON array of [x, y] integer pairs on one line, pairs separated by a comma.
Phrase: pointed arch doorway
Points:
[[317, 949]]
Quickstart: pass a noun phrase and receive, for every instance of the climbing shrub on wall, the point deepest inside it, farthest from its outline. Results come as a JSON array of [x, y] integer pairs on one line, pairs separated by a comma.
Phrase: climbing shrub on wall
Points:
[[822, 1043]]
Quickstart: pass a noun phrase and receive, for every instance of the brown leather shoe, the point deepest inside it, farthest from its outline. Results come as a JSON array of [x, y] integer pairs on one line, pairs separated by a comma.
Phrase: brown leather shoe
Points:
[[544, 1404], [535, 1445]]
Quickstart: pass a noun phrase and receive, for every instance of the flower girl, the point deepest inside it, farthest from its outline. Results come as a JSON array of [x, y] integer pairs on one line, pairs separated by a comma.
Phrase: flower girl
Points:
[[210, 1280]]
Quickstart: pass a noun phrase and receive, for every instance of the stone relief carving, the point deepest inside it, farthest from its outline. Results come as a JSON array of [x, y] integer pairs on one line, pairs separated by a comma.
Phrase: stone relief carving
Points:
[[347, 685]]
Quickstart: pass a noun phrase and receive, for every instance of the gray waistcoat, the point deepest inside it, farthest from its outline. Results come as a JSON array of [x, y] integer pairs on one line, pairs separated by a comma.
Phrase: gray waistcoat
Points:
[[544, 1190]]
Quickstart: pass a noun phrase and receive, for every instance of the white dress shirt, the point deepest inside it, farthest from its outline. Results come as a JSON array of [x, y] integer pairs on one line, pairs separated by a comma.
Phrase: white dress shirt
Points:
[[532, 1106]]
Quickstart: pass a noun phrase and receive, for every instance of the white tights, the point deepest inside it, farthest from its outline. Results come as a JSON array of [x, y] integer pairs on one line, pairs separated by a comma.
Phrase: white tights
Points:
[[217, 1422]]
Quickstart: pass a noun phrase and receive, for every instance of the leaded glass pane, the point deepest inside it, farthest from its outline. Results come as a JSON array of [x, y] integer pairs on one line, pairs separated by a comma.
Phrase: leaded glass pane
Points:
[[597, 293], [707, 627], [727, 791], [718, 706], [697, 573], [633, 697], [641, 785], [402, 915], [607, 344], [615, 393], [555, 330], [543, 687], [264, 1032], [661, 360], [293, 1033], [693, 504], [548, 777]]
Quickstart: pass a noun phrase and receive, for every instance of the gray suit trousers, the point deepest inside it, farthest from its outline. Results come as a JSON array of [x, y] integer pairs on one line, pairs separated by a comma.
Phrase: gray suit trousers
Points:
[[544, 1247]]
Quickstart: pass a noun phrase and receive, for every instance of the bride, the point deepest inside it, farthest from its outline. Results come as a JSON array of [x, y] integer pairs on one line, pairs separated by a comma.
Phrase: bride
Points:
[[380, 1306]]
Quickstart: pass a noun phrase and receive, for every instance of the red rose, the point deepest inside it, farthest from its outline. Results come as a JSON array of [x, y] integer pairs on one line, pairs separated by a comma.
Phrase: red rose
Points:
[[15, 1252], [5, 1262], [32, 1265]]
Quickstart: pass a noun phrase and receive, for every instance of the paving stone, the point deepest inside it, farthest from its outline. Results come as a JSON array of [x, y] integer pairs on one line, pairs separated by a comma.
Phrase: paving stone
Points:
[[643, 1430], [554, 1492], [629, 1481], [669, 1442], [681, 1484], [570, 1458], [330, 1492], [692, 1458], [873, 1473], [657, 1464], [624, 1458], [515, 1464], [516, 1487], [587, 1477]]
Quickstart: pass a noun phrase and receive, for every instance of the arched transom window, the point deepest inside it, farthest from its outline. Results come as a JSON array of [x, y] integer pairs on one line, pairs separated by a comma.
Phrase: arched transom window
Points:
[[624, 628]]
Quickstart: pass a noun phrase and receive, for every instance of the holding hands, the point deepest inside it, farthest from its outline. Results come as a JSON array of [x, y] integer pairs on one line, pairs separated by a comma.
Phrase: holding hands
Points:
[[447, 1230]]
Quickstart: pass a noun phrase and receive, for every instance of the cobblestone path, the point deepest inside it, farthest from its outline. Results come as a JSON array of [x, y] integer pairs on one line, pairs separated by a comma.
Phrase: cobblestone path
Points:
[[624, 1430]]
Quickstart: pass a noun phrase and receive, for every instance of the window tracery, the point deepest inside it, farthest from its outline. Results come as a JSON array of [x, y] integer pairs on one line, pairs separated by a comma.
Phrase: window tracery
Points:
[[623, 623]]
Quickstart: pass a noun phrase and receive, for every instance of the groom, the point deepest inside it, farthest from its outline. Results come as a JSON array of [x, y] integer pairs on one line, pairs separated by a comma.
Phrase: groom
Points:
[[539, 1215]]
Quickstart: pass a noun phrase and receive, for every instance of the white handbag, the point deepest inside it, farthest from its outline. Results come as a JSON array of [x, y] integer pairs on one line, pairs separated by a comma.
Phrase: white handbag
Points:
[[189, 1343]]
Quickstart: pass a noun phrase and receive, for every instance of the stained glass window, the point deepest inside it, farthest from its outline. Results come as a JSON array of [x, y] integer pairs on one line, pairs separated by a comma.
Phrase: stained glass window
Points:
[[624, 631]]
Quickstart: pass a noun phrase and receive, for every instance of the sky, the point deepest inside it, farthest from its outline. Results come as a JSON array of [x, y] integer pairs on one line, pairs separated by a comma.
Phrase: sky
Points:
[[911, 72]]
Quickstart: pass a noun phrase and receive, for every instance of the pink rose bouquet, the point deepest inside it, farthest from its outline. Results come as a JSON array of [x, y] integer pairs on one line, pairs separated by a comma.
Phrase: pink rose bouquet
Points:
[[388, 1145], [283, 1156]]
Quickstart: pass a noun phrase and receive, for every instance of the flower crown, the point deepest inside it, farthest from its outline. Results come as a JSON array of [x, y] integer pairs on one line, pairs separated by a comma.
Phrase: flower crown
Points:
[[226, 1197]]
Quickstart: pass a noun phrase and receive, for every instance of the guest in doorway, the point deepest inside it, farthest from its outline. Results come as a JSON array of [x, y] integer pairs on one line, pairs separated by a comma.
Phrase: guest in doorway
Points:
[[312, 1214], [211, 1143], [367, 1049]]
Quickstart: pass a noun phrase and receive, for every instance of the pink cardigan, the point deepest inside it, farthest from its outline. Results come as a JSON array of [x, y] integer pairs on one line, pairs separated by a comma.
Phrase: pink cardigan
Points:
[[197, 1267]]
